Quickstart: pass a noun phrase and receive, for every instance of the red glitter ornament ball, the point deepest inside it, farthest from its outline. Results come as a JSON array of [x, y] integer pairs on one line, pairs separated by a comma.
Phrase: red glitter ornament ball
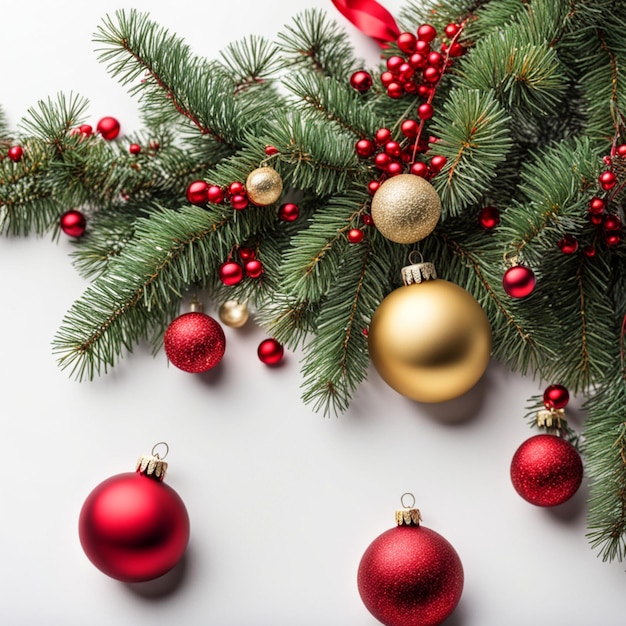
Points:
[[134, 527], [73, 223], [555, 397], [270, 352], [546, 470], [109, 128], [410, 576], [519, 281], [194, 342]]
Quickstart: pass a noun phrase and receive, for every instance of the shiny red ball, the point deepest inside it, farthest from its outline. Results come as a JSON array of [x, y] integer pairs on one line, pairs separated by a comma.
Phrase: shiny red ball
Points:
[[437, 163], [607, 180], [489, 217], [612, 239], [420, 169], [611, 222], [109, 128], [73, 223], [239, 201], [409, 128], [555, 397], [431, 74], [519, 281], [194, 342], [270, 352], [15, 153], [410, 576], [546, 470], [288, 212], [406, 42], [395, 90], [133, 528], [383, 135], [568, 244], [215, 194], [134, 148], [426, 32], [597, 205], [197, 192], [361, 81], [254, 268], [355, 235], [230, 273], [365, 148]]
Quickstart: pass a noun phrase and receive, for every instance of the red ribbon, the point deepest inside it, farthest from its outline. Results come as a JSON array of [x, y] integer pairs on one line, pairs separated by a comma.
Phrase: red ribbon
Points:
[[371, 18]]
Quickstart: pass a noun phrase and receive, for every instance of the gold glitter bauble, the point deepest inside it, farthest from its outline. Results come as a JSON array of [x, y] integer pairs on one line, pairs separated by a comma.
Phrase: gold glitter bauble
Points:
[[430, 341], [264, 186], [406, 208], [234, 314]]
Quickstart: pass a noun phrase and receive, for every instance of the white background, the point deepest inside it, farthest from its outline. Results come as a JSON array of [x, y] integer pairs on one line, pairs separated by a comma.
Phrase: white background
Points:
[[282, 501]]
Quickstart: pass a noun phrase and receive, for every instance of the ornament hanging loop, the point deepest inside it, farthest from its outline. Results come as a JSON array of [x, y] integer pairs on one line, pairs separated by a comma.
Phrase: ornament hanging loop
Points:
[[156, 454], [415, 258], [410, 497], [409, 516]]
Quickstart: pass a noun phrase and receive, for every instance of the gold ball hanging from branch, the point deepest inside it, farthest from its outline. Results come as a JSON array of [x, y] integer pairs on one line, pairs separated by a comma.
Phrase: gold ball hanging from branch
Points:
[[234, 314], [264, 186], [406, 208], [430, 340]]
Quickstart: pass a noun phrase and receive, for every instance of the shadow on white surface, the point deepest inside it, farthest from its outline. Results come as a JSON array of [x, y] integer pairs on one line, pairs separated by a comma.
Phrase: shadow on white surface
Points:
[[164, 586]]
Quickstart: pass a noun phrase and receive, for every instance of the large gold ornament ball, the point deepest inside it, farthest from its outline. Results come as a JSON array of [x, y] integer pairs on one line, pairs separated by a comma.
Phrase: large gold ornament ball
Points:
[[234, 314], [406, 208], [264, 186], [430, 341]]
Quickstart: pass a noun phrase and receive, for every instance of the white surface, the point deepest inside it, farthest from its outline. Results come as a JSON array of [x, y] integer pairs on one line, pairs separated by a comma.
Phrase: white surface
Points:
[[282, 501]]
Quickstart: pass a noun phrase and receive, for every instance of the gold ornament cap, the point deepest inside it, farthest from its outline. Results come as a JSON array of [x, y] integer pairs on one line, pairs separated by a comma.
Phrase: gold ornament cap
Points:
[[153, 465], [406, 208], [418, 272], [264, 186], [551, 419], [409, 515]]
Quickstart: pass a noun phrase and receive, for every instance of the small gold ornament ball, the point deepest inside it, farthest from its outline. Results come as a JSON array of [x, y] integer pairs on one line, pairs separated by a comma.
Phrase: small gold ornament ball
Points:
[[234, 314], [264, 186], [430, 341], [406, 208]]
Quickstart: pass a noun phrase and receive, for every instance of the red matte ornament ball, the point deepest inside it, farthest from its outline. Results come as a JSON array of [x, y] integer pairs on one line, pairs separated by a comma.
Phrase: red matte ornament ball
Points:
[[254, 268], [288, 212], [489, 217], [546, 470], [410, 576], [361, 81], [355, 235], [197, 192], [607, 180], [73, 223], [133, 527], [15, 153], [555, 397], [519, 281], [270, 352], [231, 273], [109, 128]]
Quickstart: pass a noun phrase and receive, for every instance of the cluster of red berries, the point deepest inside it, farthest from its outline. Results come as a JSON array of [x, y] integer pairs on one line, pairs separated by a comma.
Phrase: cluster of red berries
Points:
[[232, 272], [108, 128], [608, 225]]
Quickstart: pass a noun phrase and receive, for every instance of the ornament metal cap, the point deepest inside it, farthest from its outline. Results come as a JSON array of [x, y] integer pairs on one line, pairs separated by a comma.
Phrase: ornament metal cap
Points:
[[409, 515], [152, 464], [418, 272], [551, 419]]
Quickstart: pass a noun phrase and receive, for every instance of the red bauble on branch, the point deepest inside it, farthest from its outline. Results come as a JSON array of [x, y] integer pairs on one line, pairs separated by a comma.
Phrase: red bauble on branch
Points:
[[519, 281], [133, 527], [73, 223], [270, 352], [109, 128], [194, 342], [410, 575]]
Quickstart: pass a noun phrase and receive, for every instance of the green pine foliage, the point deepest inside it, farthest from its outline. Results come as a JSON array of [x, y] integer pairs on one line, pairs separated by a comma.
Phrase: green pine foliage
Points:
[[524, 118]]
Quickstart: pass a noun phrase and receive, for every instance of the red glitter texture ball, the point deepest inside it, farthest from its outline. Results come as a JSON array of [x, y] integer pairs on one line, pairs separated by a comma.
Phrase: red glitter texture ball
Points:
[[270, 352], [519, 281], [546, 470], [410, 576], [73, 223], [133, 528], [109, 128], [194, 342]]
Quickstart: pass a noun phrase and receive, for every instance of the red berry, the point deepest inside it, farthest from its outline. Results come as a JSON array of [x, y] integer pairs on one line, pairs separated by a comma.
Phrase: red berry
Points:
[[451, 30], [239, 201], [386, 78], [271, 150], [595, 218], [86, 129], [236, 188], [382, 161], [134, 148], [365, 148], [393, 63], [109, 128], [611, 222], [423, 47], [288, 212], [418, 60], [355, 235], [612, 239], [383, 135], [621, 150], [607, 180], [489, 217], [409, 128], [215, 194], [247, 254], [230, 273], [607, 160], [405, 72], [254, 268], [73, 223], [555, 397], [455, 50], [367, 219], [394, 168], [425, 111], [596, 205], [426, 32], [395, 90], [406, 42], [425, 91], [392, 148], [419, 169], [410, 87], [568, 245], [270, 352], [361, 81], [372, 187], [431, 74], [15, 153], [435, 59], [589, 251], [437, 163], [197, 192]]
